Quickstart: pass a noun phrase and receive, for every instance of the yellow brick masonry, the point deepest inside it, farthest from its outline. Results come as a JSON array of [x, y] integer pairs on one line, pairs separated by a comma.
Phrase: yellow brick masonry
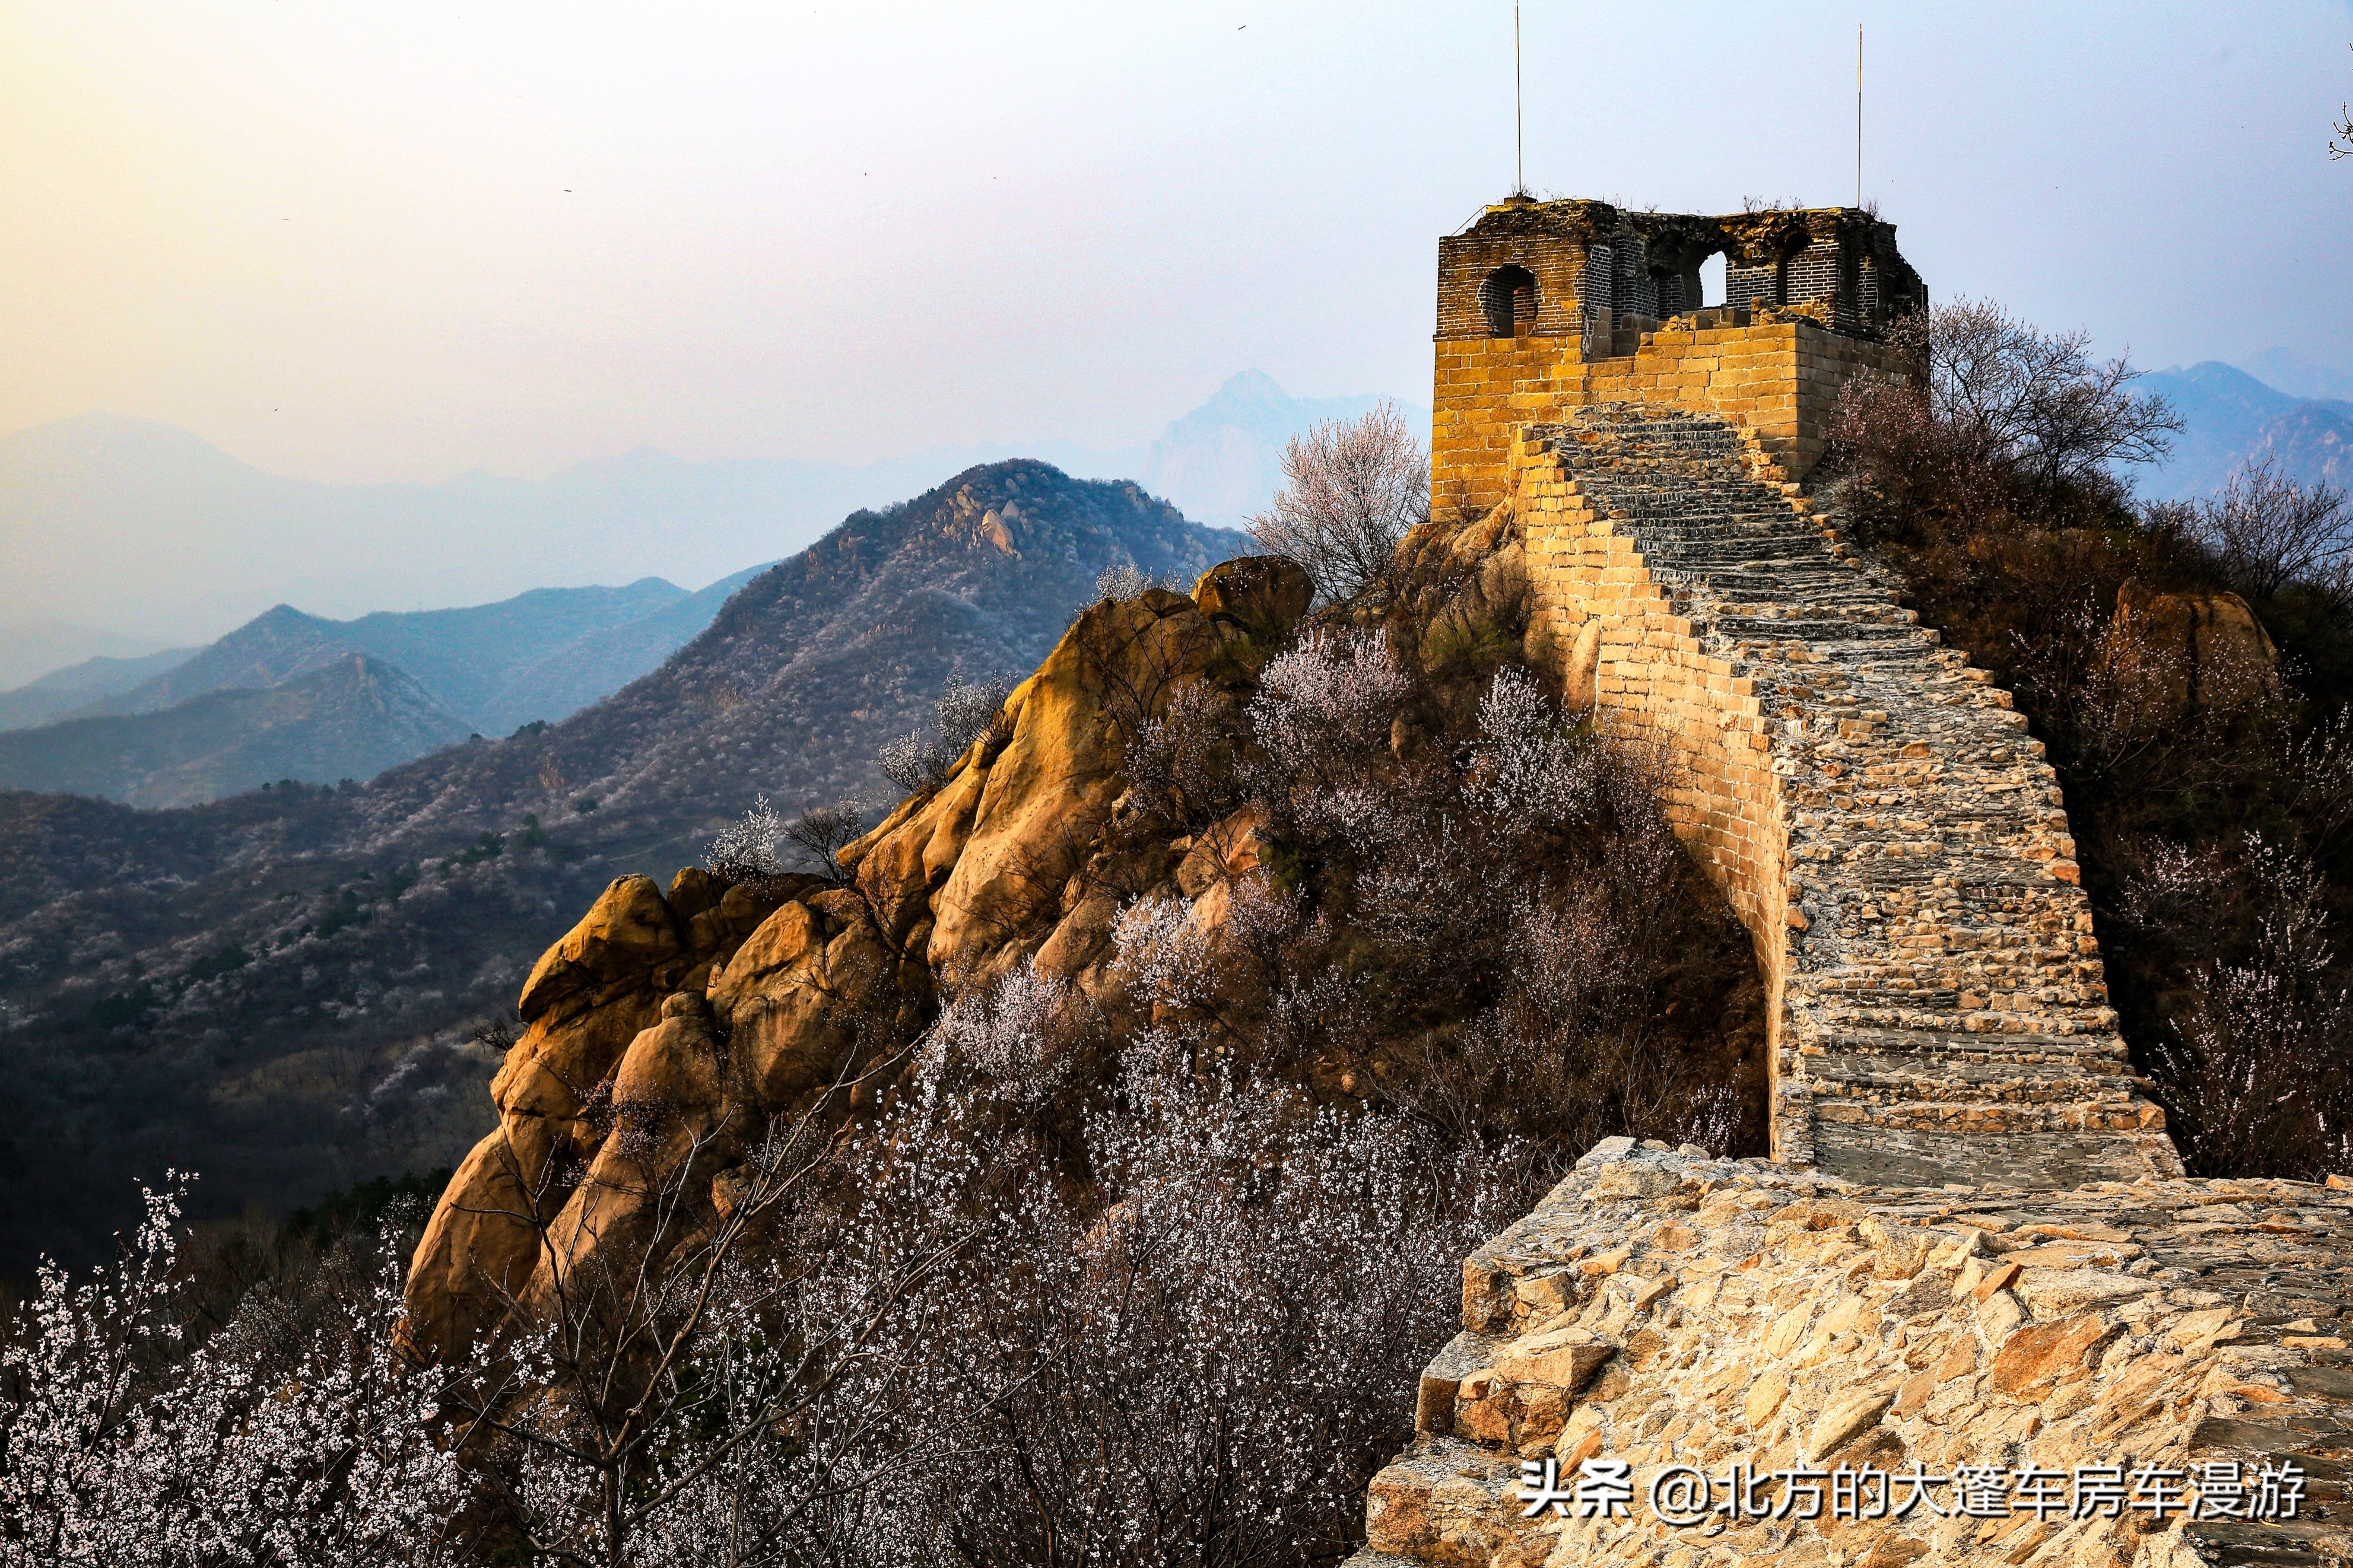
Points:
[[1872, 807], [1778, 379]]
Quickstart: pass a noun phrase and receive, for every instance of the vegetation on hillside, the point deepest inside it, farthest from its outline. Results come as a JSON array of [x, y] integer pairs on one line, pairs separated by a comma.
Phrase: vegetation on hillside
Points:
[[2211, 801], [387, 921]]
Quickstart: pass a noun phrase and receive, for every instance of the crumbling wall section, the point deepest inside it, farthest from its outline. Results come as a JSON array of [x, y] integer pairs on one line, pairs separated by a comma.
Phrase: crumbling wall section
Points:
[[1779, 379]]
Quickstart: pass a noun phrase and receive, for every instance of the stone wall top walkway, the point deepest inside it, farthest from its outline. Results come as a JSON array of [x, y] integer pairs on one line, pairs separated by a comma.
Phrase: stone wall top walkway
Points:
[[1660, 1307], [1874, 809]]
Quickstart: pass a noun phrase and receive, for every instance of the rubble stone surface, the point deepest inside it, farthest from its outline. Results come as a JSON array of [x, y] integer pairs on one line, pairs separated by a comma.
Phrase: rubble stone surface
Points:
[[1660, 1307]]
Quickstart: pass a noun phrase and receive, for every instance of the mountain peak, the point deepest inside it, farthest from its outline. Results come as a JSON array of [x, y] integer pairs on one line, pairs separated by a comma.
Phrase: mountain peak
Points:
[[1253, 385]]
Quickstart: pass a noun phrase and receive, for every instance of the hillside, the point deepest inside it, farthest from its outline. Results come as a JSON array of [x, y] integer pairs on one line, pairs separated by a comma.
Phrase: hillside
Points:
[[348, 719], [276, 988]]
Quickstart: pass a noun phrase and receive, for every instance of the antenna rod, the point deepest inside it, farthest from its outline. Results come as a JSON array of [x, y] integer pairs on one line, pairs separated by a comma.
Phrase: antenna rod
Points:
[[1519, 127], [1858, 114]]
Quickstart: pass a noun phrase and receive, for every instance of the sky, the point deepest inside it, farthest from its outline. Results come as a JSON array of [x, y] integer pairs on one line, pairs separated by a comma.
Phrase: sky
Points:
[[359, 243]]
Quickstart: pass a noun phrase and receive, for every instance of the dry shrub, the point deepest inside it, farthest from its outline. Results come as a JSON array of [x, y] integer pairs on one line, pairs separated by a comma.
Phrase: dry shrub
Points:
[[1994, 486], [1351, 489]]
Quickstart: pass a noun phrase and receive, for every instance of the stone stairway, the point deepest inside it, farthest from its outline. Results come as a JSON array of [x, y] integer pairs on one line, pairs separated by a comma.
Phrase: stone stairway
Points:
[[1941, 1013]]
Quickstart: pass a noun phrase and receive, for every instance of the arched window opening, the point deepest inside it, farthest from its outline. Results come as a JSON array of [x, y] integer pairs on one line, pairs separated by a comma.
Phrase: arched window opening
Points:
[[1508, 299], [1712, 281]]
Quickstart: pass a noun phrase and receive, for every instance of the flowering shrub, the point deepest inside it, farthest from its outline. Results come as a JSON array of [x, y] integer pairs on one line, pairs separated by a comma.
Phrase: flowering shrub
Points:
[[1351, 489], [124, 1443], [965, 709]]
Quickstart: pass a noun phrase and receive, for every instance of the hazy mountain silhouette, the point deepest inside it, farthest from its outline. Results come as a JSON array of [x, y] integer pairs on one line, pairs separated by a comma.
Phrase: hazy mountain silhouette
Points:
[[32, 649], [2232, 418], [1222, 462], [80, 686], [141, 526], [352, 717], [171, 739]]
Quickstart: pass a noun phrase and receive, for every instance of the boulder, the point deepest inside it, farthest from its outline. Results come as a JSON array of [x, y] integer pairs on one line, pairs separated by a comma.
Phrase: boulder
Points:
[[1263, 595], [2188, 652], [1047, 792], [478, 1253], [625, 935]]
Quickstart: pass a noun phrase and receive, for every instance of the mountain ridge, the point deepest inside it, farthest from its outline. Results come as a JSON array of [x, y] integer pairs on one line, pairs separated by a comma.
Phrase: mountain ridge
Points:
[[350, 717], [278, 987], [84, 504], [2232, 418]]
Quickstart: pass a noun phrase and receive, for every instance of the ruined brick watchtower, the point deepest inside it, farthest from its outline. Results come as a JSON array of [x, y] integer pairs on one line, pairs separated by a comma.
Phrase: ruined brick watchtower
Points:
[[1872, 808], [1547, 306]]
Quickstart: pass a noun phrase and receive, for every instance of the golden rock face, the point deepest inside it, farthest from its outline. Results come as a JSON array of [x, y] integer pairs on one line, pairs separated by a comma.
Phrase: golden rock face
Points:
[[665, 1032]]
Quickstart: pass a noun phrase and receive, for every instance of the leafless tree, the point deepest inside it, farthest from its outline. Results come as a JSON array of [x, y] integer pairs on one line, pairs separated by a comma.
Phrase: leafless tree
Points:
[[1351, 489], [2267, 532], [2341, 144], [821, 832], [2035, 402], [967, 709], [2252, 1074]]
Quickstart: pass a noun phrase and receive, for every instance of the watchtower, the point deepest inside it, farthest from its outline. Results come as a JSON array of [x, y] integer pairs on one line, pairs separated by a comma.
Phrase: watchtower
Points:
[[1544, 307]]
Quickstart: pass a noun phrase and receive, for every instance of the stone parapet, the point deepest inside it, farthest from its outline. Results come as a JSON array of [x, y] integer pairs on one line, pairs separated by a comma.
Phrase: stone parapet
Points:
[[1662, 1308]]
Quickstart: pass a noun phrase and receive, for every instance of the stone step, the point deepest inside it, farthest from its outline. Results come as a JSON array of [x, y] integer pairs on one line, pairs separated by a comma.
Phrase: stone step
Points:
[[1884, 1078], [1983, 1118], [1923, 834], [1922, 1157], [2081, 1049]]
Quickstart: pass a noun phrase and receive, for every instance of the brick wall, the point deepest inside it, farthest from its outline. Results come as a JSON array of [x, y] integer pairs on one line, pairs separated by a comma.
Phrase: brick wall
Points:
[[1607, 628], [1779, 379]]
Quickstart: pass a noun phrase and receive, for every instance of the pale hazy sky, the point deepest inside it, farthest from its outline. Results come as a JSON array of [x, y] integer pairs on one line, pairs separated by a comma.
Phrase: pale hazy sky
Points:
[[360, 242]]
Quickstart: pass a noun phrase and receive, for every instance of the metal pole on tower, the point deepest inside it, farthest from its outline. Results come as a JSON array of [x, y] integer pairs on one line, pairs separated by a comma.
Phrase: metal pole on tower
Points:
[[1858, 114], [1519, 123]]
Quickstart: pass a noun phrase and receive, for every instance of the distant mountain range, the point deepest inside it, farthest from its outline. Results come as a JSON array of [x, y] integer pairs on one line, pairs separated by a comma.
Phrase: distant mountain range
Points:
[[290, 696], [386, 687], [79, 686], [276, 988], [350, 718], [121, 523], [2233, 418]]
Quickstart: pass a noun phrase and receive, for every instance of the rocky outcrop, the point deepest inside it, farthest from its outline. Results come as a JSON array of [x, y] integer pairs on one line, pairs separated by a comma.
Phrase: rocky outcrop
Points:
[[1660, 1309], [612, 1014], [664, 1033], [2181, 653]]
